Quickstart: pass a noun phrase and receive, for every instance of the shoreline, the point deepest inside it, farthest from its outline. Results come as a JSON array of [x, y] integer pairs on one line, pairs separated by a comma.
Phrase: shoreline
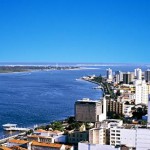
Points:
[[29, 71], [49, 122]]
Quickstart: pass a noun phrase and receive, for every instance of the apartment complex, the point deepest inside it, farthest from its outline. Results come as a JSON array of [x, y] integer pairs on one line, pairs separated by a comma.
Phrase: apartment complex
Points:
[[114, 107], [147, 75], [128, 77], [141, 92], [134, 138], [118, 76], [109, 74], [87, 110], [97, 136]]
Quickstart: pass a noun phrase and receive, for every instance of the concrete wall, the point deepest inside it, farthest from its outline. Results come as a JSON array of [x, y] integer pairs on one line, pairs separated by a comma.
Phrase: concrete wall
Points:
[[143, 139], [128, 137]]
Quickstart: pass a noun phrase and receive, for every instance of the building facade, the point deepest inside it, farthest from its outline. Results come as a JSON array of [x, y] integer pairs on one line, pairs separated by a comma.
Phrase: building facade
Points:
[[97, 136], [147, 75], [141, 93], [87, 110], [138, 74], [77, 136], [109, 74], [127, 78], [114, 107]]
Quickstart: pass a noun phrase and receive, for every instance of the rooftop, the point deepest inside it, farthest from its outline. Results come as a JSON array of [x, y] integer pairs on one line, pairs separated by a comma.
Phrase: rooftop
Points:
[[18, 141], [38, 136], [4, 148], [88, 100], [18, 148], [50, 132], [52, 145]]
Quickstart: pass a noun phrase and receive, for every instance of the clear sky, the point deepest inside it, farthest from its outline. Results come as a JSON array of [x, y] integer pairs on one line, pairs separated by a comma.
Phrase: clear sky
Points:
[[75, 31]]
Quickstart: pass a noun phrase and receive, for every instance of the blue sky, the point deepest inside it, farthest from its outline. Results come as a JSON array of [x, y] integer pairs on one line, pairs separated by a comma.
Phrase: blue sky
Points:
[[75, 31]]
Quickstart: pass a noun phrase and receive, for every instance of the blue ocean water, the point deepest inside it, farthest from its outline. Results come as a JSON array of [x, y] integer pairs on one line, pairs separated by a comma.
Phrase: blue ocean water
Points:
[[40, 97]]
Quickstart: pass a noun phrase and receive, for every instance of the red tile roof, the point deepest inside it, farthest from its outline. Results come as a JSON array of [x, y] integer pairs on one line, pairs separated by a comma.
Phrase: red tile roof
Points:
[[53, 145]]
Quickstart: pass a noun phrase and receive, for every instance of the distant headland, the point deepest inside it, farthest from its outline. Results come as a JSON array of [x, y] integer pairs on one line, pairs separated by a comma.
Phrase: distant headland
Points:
[[17, 68]]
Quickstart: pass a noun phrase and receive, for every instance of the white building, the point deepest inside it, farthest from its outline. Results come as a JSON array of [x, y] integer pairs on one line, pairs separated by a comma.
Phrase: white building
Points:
[[141, 92], [133, 138], [138, 74], [56, 136], [109, 74], [109, 123], [87, 146], [120, 136], [142, 139], [97, 136], [118, 76], [127, 110]]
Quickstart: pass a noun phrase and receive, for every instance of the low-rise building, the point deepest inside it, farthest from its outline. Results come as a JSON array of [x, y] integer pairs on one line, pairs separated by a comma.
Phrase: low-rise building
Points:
[[75, 137], [45, 139], [38, 138], [127, 110], [16, 142], [48, 133], [4, 148], [109, 123]]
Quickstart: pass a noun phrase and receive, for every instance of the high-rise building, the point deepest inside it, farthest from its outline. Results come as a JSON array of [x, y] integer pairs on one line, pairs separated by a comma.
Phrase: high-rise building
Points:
[[97, 136], [141, 93], [87, 110], [138, 74], [114, 107], [118, 76], [127, 77], [109, 74], [147, 75]]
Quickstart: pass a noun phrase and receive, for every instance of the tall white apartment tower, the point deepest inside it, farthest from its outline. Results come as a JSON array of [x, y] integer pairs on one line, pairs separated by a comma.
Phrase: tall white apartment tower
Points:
[[109, 74], [141, 93], [139, 74], [118, 76]]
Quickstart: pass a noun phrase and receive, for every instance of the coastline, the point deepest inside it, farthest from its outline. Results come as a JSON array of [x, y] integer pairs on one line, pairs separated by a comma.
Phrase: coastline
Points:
[[59, 118], [29, 71]]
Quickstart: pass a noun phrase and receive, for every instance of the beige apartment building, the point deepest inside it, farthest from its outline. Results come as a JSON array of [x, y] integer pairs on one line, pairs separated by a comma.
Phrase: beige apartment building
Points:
[[97, 136]]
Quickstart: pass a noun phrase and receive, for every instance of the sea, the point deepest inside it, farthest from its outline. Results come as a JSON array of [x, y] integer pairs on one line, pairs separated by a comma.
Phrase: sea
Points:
[[40, 97]]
